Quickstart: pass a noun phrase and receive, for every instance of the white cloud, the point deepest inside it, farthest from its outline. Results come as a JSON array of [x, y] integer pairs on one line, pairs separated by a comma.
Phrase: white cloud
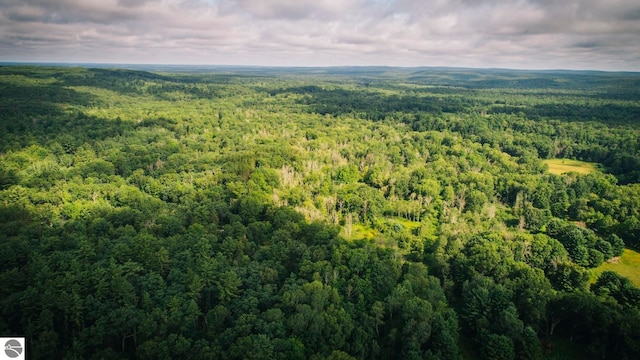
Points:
[[599, 34]]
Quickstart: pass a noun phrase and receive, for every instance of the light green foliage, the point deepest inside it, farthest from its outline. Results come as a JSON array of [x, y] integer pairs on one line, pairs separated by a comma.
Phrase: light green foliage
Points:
[[317, 213]]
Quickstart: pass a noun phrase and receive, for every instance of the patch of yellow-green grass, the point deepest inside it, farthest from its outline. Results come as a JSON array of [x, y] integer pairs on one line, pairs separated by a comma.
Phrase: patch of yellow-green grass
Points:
[[561, 166], [358, 232], [406, 224], [627, 265]]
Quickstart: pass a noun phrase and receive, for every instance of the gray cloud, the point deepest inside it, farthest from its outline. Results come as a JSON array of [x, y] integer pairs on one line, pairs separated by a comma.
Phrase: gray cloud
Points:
[[597, 34], [133, 3], [293, 9]]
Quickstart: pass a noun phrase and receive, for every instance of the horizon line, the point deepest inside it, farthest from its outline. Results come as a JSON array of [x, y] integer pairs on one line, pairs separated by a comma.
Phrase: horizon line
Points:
[[246, 66]]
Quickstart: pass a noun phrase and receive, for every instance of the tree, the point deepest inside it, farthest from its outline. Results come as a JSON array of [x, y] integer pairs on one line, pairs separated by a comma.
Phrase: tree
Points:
[[497, 347]]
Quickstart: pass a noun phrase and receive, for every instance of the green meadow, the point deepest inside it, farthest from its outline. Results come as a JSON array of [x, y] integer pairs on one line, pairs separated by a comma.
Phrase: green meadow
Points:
[[563, 166], [627, 265]]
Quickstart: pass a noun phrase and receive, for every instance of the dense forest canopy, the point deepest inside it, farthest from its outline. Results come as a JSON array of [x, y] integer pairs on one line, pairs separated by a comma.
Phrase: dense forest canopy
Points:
[[322, 213]]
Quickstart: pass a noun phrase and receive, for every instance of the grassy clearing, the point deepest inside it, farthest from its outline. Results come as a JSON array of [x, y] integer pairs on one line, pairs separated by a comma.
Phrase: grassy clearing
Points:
[[406, 224], [628, 265], [561, 166], [359, 231]]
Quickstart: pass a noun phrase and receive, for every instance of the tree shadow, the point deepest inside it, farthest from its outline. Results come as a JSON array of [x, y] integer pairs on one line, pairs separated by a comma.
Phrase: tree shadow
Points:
[[37, 108], [35, 100]]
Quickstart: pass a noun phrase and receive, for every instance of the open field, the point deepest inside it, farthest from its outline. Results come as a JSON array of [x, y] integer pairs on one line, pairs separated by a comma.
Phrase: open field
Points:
[[406, 224], [627, 265], [561, 166], [358, 232]]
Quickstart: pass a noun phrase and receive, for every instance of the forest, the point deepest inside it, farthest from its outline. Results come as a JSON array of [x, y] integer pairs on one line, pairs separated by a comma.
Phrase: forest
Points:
[[319, 213]]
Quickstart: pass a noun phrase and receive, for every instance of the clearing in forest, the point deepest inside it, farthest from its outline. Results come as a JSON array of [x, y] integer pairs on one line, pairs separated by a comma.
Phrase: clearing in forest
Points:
[[561, 166], [358, 232], [627, 265]]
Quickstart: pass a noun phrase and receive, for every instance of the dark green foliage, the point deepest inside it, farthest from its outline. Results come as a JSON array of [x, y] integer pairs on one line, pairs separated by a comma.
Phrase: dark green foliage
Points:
[[620, 288], [584, 246]]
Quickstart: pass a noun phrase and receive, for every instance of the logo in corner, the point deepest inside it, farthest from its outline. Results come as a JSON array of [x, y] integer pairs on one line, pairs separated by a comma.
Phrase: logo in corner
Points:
[[13, 348]]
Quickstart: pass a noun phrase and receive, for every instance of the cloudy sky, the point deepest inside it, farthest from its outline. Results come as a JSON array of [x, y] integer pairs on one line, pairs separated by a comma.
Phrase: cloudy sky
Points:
[[531, 34]]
